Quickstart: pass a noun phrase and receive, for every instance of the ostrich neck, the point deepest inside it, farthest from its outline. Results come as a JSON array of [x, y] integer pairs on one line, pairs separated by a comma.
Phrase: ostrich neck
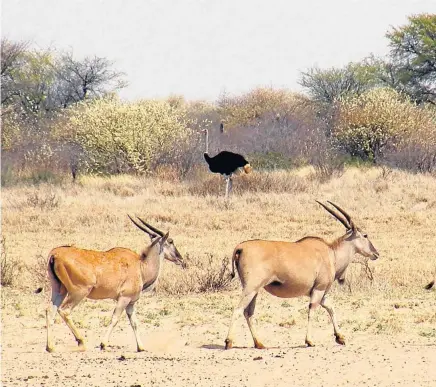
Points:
[[207, 141]]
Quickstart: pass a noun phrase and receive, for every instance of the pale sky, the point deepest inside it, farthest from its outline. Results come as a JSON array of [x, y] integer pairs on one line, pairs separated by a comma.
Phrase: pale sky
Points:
[[200, 48]]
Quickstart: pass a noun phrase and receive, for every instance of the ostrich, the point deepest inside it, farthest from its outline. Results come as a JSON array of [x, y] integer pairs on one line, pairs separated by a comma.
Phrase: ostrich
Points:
[[225, 163]]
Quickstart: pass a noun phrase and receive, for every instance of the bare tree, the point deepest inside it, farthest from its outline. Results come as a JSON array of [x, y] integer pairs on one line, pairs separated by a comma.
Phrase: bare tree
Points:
[[89, 78]]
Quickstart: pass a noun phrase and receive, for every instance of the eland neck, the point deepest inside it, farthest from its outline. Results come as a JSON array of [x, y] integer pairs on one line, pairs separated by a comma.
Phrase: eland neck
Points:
[[344, 251], [151, 266]]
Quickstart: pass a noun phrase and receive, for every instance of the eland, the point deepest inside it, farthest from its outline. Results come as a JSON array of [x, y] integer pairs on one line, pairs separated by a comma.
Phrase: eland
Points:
[[307, 267], [119, 274]]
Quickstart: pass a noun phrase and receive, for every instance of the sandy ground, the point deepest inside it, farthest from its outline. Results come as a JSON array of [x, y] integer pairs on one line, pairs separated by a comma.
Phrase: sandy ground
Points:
[[180, 352]]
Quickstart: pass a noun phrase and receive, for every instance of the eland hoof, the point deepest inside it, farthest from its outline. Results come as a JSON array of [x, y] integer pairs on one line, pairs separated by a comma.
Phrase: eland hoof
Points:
[[340, 339], [229, 343], [309, 343]]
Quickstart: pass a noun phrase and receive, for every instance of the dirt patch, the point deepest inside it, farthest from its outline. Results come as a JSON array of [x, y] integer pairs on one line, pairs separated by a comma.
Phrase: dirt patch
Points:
[[180, 352]]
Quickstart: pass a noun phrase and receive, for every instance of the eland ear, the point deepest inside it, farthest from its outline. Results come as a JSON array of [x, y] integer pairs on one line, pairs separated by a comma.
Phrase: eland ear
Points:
[[164, 238], [155, 241]]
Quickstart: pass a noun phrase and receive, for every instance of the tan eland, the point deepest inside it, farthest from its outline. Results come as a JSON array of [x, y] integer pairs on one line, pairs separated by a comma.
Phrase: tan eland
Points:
[[307, 267], [119, 274]]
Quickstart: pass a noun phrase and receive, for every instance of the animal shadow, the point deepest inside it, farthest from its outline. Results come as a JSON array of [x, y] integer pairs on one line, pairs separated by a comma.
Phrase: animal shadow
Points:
[[222, 347]]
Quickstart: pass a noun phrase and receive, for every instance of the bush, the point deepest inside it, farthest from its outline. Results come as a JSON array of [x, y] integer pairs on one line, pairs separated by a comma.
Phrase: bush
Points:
[[250, 108], [270, 160], [277, 127], [45, 199], [206, 274], [122, 137], [359, 276], [381, 119]]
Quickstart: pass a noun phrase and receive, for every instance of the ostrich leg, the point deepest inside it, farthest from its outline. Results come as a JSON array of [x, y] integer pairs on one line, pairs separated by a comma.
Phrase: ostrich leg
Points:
[[229, 185]]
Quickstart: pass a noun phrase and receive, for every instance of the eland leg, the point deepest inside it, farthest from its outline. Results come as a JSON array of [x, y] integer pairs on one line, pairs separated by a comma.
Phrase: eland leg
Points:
[[243, 304], [325, 303], [248, 314], [315, 300], [56, 300], [65, 310], [121, 306], [130, 310]]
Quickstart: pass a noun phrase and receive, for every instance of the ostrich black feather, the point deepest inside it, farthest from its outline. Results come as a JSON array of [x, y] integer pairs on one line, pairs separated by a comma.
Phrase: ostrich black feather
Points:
[[226, 162]]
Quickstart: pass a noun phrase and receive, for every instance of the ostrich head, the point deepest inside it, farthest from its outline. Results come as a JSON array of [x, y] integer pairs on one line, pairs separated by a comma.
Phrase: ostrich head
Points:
[[247, 168]]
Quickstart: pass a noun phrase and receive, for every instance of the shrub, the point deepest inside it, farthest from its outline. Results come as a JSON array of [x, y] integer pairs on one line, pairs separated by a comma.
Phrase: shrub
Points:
[[417, 150], [359, 276], [203, 274], [283, 126], [121, 137], [380, 119], [250, 108], [45, 199]]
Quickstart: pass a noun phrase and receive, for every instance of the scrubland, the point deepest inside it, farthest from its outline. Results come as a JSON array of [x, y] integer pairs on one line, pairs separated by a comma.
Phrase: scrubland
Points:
[[382, 305]]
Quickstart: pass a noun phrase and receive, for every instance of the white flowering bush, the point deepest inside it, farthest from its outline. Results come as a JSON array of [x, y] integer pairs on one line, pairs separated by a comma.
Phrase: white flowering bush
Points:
[[119, 136]]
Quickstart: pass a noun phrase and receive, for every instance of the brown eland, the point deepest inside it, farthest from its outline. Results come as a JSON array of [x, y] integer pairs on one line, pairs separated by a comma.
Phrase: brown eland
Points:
[[119, 274], [307, 267]]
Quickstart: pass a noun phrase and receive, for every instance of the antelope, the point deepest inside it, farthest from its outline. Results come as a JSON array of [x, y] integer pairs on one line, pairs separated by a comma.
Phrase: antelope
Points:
[[307, 267], [119, 274]]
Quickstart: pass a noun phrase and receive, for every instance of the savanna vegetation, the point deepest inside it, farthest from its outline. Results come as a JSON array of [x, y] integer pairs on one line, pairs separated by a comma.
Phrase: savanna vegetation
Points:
[[76, 159], [62, 116]]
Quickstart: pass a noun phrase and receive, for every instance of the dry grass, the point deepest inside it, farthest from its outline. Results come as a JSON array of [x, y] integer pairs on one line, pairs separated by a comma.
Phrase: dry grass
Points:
[[203, 274], [9, 267], [397, 209]]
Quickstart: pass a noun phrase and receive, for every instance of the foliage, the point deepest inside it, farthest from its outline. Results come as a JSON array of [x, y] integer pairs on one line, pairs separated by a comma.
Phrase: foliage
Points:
[[37, 82], [273, 121], [365, 125], [30, 82], [250, 108], [121, 137], [413, 50], [11, 132], [329, 85], [11, 54]]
